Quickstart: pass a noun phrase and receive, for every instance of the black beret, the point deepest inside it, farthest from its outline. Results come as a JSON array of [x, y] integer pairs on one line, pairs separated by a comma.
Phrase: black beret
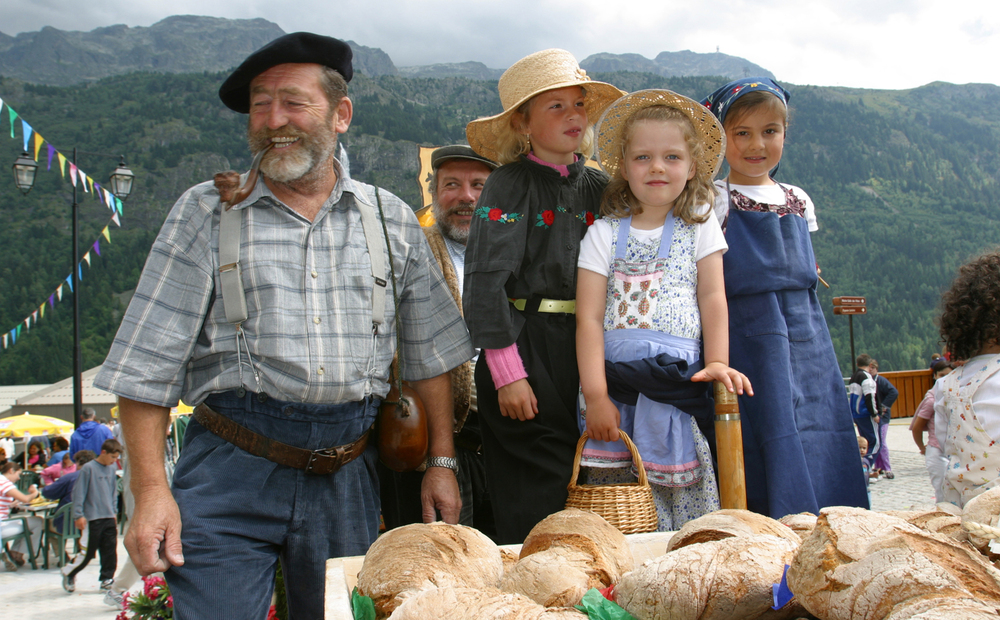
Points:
[[458, 151], [298, 47]]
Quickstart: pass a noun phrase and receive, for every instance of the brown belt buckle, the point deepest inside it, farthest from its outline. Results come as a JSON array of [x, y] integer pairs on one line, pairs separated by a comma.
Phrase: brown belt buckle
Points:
[[338, 453]]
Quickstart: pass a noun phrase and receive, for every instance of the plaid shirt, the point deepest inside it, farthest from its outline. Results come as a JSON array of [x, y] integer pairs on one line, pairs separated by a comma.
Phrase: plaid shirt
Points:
[[308, 289]]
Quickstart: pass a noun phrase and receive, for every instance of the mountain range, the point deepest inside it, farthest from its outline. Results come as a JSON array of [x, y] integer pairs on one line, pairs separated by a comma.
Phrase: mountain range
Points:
[[190, 44]]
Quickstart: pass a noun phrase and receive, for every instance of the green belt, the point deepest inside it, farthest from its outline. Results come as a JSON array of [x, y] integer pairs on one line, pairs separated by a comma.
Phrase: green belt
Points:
[[556, 306]]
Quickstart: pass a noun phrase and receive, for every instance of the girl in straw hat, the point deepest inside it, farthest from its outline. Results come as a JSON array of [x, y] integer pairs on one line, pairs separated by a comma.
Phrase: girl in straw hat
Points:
[[799, 444], [649, 288], [520, 280]]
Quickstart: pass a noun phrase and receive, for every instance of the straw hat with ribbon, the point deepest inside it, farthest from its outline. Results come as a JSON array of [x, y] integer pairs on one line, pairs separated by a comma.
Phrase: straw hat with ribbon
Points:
[[610, 130], [534, 74]]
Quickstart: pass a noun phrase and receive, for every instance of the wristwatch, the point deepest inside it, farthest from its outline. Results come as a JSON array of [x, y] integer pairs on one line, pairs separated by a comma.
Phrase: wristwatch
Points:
[[443, 461]]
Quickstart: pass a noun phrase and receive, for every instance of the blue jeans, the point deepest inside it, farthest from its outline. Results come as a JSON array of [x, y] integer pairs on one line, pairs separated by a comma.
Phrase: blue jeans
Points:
[[241, 512]]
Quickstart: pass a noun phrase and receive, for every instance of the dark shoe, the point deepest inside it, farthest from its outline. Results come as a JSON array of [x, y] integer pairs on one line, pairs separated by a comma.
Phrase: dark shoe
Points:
[[69, 583], [889, 475], [17, 556], [107, 583]]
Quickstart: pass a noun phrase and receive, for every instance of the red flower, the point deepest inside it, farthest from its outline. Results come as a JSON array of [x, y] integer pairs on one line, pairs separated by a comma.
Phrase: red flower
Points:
[[548, 217], [495, 214], [170, 601], [589, 218]]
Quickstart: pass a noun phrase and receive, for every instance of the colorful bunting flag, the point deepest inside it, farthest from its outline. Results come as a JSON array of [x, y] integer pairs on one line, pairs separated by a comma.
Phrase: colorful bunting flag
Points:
[[26, 130], [38, 144], [62, 165], [72, 173], [86, 258], [114, 218], [13, 117], [59, 292], [69, 281], [52, 151], [107, 235], [97, 248]]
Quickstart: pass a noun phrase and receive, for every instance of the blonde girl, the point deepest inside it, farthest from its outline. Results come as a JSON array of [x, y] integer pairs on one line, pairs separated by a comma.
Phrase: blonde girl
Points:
[[520, 280], [649, 288], [799, 445]]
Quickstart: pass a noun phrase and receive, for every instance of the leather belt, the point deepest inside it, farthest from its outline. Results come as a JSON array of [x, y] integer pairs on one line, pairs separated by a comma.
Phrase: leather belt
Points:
[[555, 306], [320, 462]]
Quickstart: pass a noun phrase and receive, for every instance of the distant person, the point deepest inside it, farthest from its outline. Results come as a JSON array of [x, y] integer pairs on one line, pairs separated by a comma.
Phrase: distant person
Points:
[[863, 395], [53, 472], [62, 489], [10, 473], [886, 394], [923, 420], [799, 446], [95, 504], [59, 448], [458, 177], [967, 401], [90, 435], [35, 458], [866, 466]]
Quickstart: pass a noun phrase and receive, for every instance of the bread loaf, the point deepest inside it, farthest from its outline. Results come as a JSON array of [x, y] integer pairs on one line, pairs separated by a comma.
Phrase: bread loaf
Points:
[[726, 523], [985, 510], [715, 580], [588, 532], [802, 523], [862, 565], [424, 556], [476, 604], [555, 577]]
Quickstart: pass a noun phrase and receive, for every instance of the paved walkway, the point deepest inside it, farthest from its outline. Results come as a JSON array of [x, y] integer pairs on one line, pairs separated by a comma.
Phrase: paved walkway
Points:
[[27, 593]]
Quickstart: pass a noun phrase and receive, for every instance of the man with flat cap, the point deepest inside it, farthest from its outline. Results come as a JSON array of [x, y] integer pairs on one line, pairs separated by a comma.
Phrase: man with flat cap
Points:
[[457, 179], [276, 316]]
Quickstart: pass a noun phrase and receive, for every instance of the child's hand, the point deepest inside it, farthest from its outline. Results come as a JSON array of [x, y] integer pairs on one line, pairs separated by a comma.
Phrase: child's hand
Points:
[[517, 400], [603, 419], [734, 380]]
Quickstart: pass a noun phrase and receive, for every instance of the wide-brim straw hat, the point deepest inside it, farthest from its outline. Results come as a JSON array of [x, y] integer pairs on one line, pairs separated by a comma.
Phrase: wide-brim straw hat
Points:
[[534, 74], [610, 129]]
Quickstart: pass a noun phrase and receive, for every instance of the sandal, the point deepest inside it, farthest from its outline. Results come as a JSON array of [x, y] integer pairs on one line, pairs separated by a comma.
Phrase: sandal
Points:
[[889, 475], [17, 556]]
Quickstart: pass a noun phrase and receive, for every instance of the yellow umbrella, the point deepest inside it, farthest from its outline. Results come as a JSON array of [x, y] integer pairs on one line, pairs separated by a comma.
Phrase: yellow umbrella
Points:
[[19, 425]]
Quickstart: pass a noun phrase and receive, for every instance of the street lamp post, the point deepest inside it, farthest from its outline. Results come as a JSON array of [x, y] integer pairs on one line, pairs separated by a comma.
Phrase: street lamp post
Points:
[[121, 186]]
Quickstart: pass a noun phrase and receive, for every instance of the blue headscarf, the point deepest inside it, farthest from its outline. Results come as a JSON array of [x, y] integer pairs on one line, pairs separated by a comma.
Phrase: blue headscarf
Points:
[[720, 101]]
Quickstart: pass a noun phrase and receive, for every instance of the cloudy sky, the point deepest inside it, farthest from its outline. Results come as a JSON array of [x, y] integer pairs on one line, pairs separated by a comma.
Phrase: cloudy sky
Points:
[[862, 43]]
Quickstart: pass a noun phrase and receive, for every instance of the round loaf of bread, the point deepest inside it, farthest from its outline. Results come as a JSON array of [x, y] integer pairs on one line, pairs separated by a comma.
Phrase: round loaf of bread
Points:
[[422, 556], [588, 532], [476, 604], [726, 523], [714, 580]]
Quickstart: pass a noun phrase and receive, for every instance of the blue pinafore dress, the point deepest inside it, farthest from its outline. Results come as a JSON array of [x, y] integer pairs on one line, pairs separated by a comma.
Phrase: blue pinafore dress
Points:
[[652, 309], [799, 444]]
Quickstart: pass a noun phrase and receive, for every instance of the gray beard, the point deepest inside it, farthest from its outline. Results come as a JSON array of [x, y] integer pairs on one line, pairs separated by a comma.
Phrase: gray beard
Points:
[[288, 168], [456, 234]]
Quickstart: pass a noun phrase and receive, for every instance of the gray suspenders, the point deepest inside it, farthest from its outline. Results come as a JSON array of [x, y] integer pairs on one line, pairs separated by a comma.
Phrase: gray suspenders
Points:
[[233, 296]]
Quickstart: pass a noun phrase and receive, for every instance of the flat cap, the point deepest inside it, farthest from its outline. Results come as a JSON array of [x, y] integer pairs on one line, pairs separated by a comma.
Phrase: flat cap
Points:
[[298, 47], [458, 151]]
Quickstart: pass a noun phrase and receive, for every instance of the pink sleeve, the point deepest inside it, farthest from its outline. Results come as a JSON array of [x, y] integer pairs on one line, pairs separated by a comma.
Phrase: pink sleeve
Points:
[[925, 409], [505, 365]]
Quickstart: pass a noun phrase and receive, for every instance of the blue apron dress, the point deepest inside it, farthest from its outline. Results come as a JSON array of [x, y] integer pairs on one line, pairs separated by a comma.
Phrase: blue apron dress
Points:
[[799, 445], [676, 455]]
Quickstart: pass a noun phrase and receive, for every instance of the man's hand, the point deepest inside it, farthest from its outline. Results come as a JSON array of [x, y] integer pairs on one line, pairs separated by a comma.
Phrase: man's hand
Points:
[[517, 400], [154, 537], [439, 492], [81, 523]]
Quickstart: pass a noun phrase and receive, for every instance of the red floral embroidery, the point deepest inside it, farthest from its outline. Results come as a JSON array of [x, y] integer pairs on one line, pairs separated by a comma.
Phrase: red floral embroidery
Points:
[[548, 217], [495, 214], [589, 218]]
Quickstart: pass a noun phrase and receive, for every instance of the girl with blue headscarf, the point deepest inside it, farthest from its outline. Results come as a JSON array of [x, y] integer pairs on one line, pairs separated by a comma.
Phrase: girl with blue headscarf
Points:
[[799, 443]]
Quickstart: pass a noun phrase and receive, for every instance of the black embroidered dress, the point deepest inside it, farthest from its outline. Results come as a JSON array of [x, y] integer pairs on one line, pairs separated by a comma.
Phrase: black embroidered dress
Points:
[[523, 244]]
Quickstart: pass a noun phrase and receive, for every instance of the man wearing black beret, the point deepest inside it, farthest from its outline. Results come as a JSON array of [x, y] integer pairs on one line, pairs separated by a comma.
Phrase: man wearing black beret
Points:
[[277, 317]]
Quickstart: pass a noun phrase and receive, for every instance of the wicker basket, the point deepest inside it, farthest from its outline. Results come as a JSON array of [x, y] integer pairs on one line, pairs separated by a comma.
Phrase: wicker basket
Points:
[[629, 506]]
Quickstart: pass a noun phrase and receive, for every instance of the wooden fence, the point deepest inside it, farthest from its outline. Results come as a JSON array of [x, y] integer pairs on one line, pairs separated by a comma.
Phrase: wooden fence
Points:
[[912, 386]]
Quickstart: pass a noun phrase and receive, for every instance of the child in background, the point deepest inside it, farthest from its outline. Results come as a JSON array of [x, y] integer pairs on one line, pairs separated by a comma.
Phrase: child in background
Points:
[[649, 286], [865, 463], [95, 504], [799, 443], [53, 472], [923, 419], [520, 280], [967, 401]]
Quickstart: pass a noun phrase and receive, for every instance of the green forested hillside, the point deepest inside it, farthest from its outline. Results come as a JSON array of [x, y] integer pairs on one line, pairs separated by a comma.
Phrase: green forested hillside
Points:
[[903, 182]]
